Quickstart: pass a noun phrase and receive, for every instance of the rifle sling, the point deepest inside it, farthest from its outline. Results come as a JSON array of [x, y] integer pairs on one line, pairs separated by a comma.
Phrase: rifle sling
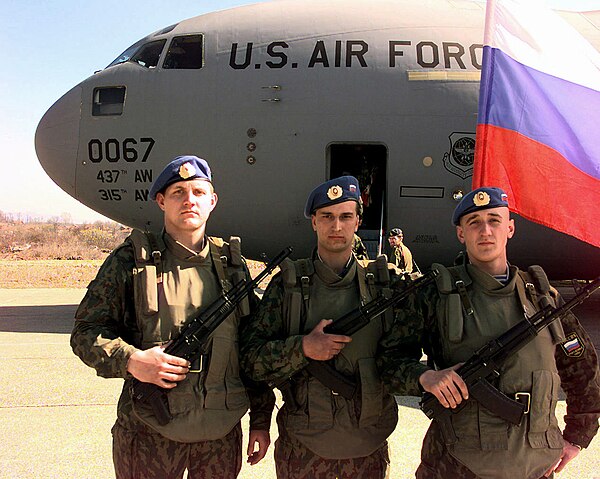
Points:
[[327, 375]]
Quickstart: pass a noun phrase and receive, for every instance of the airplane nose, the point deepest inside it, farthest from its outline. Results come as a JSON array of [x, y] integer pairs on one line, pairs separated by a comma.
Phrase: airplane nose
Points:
[[57, 139]]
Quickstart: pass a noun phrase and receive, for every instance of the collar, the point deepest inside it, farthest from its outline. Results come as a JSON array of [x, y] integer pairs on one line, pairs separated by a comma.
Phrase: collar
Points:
[[181, 251]]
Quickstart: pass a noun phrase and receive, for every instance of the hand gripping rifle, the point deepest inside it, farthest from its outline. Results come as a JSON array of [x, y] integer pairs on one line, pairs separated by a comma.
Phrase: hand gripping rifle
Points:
[[194, 337], [347, 325], [485, 364]]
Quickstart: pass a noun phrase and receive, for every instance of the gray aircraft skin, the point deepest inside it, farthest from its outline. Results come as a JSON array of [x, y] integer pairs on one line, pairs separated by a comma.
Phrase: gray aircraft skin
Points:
[[280, 96]]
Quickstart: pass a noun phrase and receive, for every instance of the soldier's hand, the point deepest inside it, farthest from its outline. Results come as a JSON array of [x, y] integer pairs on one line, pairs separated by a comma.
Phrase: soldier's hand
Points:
[[157, 367], [322, 346], [262, 439], [569, 453], [446, 385]]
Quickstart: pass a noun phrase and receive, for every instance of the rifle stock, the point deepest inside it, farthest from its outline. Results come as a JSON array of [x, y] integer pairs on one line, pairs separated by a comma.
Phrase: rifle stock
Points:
[[194, 336], [486, 362]]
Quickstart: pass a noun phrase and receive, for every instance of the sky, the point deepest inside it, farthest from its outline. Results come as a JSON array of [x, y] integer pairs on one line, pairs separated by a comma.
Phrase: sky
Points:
[[50, 46]]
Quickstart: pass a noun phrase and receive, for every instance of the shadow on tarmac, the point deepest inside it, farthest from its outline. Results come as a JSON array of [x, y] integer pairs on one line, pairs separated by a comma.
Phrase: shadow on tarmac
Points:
[[37, 319]]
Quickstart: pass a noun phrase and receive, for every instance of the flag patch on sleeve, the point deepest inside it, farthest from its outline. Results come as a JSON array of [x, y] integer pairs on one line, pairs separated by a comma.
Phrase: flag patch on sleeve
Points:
[[573, 346]]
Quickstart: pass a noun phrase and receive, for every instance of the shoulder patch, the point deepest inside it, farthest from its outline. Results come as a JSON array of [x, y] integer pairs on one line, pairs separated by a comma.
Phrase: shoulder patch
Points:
[[573, 346]]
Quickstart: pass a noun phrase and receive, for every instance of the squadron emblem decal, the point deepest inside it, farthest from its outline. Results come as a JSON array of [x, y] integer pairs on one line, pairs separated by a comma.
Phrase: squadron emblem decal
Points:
[[459, 160]]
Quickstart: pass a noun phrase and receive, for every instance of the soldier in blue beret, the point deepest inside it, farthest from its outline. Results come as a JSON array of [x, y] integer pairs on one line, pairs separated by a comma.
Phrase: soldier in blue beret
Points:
[[182, 168], [479, 298], [480, 199], [144, 294], [320, 433], [332, 192]]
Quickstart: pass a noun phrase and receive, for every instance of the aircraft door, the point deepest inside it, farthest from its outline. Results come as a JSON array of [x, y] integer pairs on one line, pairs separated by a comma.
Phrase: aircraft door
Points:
[[366, 162]]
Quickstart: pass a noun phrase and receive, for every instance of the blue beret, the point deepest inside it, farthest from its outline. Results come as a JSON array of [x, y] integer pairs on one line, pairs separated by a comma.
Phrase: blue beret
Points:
[[182, 168], [337, 190], [480, 199]]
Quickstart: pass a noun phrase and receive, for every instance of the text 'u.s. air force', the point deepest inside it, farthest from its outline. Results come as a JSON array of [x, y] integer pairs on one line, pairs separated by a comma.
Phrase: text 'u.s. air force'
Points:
[[350, 53]]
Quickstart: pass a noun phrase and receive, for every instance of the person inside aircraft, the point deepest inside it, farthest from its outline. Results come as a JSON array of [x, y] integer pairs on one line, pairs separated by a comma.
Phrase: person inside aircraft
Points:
[[143, 295], [323, 433], [400, 255], [476, 300]]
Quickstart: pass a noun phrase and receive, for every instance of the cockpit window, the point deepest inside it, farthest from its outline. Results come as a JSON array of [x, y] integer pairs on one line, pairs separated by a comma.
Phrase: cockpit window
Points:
[[144, 53], [127, 54], [148, 55], [185, 52]]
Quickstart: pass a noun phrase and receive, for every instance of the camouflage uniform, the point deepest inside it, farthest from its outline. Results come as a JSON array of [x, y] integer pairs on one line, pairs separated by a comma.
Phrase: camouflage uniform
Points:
[[269, 352], [359, 249], [105, 334], [418, 326]]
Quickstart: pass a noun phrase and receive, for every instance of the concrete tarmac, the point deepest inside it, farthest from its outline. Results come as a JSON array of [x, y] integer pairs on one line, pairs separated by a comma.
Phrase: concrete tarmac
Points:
[[56, 414]]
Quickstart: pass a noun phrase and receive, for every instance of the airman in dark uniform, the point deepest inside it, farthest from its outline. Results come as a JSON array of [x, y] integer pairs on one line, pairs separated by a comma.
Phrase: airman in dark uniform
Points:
[[471, 303], [141, 298]]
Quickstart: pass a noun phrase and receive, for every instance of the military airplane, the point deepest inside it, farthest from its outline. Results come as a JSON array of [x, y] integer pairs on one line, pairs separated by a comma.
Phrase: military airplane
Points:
[[282, 95]]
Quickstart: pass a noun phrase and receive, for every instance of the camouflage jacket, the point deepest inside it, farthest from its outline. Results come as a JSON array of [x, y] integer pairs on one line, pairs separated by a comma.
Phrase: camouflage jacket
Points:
[[417, 331], [268, 352], [105, 333]]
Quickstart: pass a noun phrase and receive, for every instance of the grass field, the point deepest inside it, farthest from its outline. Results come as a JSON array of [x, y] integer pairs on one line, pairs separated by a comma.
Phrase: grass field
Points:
[[54, 255], [47, 273], [17, 274]]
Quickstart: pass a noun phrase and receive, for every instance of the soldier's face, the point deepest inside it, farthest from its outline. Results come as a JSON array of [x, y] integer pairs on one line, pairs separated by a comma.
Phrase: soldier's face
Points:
[[395, 240], [335, 226], [485, 234], [187, 205]]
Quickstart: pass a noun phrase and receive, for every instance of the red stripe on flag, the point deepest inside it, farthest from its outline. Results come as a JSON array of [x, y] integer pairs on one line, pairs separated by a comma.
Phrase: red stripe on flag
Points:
[[542, 185]]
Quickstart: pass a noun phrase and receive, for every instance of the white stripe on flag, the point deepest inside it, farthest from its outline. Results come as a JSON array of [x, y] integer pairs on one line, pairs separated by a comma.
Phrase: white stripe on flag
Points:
[[532, 34]]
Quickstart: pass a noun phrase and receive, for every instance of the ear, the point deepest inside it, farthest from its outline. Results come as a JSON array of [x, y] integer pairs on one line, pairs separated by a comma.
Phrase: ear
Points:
[[213, 202], [460, 234], [160, 201], [313, 220], [511, 228]]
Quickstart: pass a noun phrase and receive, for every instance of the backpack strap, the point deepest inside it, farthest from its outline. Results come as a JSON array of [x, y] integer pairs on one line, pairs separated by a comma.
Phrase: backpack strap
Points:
[[366, 280], [148, 248], [456, 307], [220, 259], [535, 286], [296, 276], [461, 281], [229, 266]]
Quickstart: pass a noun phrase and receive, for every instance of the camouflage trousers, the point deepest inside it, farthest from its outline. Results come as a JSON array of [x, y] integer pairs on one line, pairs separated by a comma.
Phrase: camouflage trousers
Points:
[[145, 454], [437, 463], [294, 461]]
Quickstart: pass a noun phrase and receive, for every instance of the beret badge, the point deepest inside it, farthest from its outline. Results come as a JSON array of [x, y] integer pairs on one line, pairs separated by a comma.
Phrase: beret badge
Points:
[[187, 170], [481, 199], [334, 192]]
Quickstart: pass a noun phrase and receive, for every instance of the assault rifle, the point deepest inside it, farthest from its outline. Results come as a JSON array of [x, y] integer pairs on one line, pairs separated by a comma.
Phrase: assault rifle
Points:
[[194, 336], [347, 325], [485, 364]]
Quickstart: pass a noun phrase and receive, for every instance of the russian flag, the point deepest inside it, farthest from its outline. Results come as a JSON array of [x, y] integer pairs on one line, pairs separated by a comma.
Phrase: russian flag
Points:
[[538, 131]]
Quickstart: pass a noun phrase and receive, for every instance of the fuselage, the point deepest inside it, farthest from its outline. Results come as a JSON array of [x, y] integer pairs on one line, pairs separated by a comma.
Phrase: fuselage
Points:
[[280, 96]]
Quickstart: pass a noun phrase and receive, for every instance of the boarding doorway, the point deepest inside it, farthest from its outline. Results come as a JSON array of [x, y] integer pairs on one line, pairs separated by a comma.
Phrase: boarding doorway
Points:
[[366, 162]]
